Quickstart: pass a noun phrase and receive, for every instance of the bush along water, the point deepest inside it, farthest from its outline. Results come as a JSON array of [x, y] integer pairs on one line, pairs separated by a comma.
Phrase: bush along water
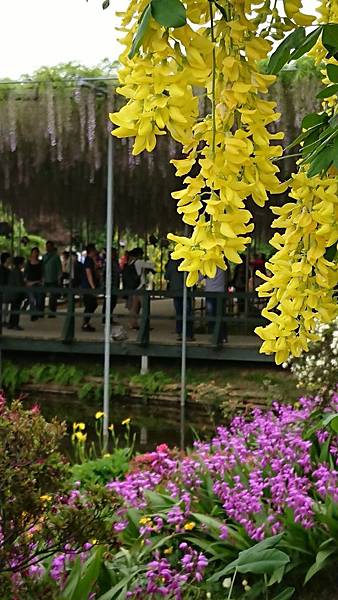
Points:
[[316, 370], [252, 514]]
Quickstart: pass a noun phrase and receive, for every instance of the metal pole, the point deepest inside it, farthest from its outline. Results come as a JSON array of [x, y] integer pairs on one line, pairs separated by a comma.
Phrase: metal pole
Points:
[[106, 375], [183, 361]]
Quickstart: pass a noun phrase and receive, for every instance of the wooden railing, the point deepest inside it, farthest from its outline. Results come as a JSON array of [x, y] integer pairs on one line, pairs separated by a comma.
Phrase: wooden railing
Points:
[[226, 309]]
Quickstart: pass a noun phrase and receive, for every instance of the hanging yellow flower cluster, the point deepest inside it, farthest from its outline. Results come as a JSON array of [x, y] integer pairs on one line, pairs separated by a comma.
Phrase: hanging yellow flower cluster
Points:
[[303, 277], [300, 288], [228, 153]]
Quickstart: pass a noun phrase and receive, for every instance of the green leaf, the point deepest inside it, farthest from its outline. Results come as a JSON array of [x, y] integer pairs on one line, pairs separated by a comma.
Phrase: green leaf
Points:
[[277, 576], [331, 251], [265, 562], [105, 4], [210, 522], [225, 571], [158, 501], [141, 31], [320, 563], [169, 13], [332, 73], [285, 594], [321, 162], [302, 136], [90, 573], [270, 542], [308, 43], [72, 580], [331, 90], [330, 38], [314, 119], [331, 420], [282, 55]]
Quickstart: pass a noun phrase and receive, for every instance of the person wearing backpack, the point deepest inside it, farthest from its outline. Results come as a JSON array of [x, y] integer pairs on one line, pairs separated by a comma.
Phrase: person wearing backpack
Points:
[[134, 278]]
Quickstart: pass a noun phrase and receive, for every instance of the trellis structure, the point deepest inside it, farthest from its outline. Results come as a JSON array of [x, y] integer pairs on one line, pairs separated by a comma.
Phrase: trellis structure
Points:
[[53, 155]]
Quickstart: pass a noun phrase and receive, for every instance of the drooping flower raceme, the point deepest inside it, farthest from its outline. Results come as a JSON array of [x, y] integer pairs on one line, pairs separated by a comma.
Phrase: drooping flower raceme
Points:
[[228, 147]]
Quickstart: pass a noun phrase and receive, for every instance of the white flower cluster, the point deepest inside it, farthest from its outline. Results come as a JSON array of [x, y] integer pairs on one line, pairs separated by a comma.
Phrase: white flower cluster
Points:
[[317, 370]]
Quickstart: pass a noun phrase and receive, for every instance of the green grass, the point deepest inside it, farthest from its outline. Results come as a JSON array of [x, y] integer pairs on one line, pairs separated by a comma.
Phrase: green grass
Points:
[[276, 383]]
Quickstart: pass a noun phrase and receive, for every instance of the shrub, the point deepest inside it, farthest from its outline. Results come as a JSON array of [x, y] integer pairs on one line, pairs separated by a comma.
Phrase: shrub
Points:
[[41, 514], [316, 370]]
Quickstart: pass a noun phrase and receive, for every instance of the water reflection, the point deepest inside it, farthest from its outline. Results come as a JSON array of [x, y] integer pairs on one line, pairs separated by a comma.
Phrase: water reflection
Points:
[[152, 423]]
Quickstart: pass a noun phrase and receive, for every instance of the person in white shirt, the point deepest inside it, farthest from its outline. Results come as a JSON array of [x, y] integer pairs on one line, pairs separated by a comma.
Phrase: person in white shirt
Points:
[[217, 284], [134, 278]]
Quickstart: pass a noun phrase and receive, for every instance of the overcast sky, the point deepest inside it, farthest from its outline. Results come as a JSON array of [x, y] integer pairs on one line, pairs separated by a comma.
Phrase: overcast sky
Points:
[[37, 33]]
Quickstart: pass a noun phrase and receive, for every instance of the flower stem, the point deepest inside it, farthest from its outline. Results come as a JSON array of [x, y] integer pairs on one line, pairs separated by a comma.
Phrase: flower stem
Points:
[[213, 88], [232, 585]]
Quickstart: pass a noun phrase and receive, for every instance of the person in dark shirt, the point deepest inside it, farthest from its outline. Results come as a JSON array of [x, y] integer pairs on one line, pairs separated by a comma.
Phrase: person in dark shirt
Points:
[[89, 280], [5, 260], [33, 276], [16, 279], [52, 269]]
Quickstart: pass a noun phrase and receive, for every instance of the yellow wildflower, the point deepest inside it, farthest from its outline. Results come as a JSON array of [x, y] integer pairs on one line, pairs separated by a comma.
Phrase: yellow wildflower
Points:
[[45, 498], [99, 415], [189, 526], [126, 421], [80, 426]]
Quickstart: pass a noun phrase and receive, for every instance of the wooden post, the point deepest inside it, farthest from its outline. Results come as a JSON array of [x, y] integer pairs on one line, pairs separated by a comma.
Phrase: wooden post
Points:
[[218, 323], [69, 324]]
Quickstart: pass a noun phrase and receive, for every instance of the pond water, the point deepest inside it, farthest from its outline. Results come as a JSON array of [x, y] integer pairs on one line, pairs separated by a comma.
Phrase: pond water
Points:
[[151, 423]]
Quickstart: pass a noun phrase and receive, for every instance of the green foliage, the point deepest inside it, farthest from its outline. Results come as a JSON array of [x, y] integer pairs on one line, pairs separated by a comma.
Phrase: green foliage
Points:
[[316, 370], [319, 137], [103, 469], [19, 232], [295, 41], [30, 467], [83, 577], [151, 382]]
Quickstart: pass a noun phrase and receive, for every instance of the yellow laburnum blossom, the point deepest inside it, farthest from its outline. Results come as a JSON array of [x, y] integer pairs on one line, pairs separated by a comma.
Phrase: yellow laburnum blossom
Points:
[[302, 278], [292, 9], [229, 152]]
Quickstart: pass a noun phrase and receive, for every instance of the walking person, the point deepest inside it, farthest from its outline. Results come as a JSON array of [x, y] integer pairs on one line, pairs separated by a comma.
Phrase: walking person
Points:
[[90, 281], [15, 298], [51, 269], [175, 280], [33, 278], [216, 285], [115, 285], [134, 277], [5, 262]]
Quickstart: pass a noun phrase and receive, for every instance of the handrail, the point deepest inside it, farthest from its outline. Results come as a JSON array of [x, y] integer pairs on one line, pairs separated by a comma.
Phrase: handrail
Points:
[[224, 308]]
